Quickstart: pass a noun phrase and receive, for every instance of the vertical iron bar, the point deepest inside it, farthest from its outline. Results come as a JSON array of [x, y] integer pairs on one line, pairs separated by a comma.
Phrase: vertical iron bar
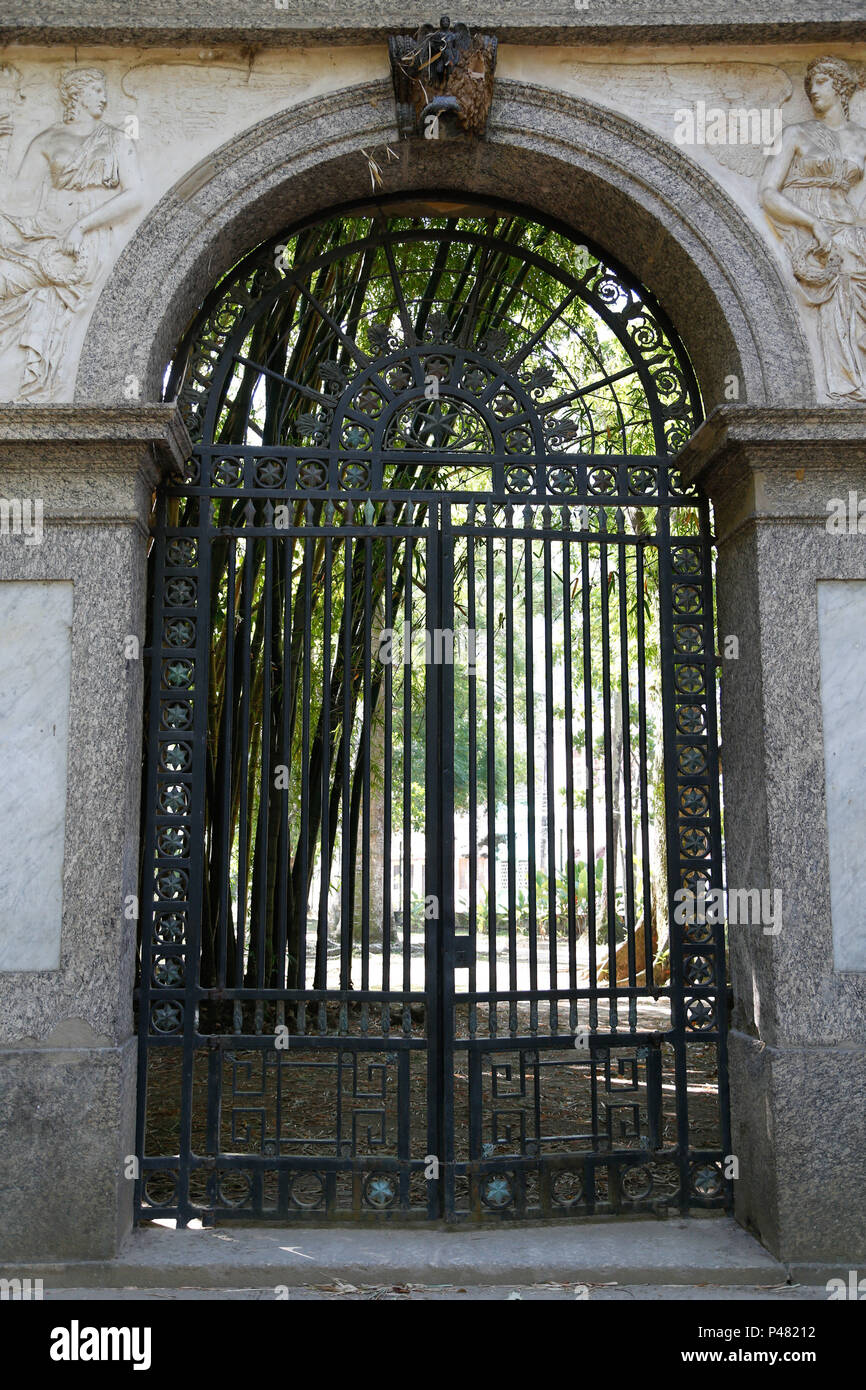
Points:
[[409, 599], [529, 662], [388, 790], [625, 700], [549, 766], [265, 788], [366, 738], [588, 686], [673, 847], [244, 742], [472, 697], [194, 991], [227, 749], [435, 927], [643, 751], [284, 893], [326, 726], [509, 763], [302, 906], [569, 768], [443, 769], [490, 734], [609, 773], [347, 885]]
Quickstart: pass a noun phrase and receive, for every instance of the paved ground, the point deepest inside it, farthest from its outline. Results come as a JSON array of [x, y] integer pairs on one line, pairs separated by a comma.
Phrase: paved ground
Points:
[[414, 1293]]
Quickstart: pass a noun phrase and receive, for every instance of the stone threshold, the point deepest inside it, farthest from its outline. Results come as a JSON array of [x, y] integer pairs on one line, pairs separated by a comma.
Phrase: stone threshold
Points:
[[713, 1251]]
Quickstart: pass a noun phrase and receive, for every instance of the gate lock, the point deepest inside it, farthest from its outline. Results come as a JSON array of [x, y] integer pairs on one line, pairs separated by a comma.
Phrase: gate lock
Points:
[[464, 956]]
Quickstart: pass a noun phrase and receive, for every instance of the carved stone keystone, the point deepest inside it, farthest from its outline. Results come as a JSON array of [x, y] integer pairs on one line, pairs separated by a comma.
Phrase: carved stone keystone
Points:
[[443, 80]]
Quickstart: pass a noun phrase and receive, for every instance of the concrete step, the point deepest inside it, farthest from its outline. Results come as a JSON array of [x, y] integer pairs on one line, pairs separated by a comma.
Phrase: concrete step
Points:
[[711, 1250]]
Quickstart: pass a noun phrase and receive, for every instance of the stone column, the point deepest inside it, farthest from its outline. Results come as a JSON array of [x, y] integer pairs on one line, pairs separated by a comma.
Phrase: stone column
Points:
[[75, 497], [792, 589]]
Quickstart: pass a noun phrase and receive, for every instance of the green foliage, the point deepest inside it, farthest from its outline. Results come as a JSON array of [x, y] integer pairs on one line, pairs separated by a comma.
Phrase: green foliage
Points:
[[312, 605]]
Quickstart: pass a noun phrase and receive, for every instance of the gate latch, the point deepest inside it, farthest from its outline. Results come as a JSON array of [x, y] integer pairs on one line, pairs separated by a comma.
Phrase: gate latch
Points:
[[463, 953]]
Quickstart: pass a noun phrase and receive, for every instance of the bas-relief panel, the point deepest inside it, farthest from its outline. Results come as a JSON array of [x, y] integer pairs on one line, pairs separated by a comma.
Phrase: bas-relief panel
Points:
[[79, 178], [87, 149]]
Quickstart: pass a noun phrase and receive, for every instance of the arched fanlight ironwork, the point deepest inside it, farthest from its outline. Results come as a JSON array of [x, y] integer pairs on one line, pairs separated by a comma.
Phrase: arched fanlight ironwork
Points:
[[329, 338]]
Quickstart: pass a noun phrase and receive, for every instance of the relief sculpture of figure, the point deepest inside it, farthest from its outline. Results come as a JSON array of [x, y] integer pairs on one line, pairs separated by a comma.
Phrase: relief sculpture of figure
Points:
[[811, 189], [77, 181], [10, 97]]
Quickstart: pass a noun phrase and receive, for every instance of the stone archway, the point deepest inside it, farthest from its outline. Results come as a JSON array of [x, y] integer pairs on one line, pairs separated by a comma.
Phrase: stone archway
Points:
[[769, 465], [613, 181]]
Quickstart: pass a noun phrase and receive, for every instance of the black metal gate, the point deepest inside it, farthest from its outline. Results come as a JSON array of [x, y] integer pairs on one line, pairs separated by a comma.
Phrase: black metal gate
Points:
[[431, 743]]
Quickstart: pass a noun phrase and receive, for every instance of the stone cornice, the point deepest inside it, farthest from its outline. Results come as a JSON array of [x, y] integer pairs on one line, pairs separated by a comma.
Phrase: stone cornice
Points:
[[69, 427], [331, 22], [776, 465], [781, 436]]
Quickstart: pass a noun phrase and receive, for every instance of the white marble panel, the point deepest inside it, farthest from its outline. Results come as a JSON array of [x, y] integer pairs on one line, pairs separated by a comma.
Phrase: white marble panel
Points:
[[842, 635], [35, 660]]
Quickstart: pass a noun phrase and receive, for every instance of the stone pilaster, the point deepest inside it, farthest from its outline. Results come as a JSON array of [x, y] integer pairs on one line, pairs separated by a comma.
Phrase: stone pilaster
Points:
[[67, 1054], [798, 1041]]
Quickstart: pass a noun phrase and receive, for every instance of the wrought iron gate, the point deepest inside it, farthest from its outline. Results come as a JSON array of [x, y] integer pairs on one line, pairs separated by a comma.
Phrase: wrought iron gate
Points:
[[431, 743]]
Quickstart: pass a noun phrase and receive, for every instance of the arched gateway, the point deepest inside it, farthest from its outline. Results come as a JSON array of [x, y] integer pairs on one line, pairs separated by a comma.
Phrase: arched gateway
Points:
[[431, 740]]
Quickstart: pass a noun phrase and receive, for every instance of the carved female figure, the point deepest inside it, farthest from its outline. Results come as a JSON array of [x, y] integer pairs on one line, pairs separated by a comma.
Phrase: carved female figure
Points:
[[52, 252], [806, 190]]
